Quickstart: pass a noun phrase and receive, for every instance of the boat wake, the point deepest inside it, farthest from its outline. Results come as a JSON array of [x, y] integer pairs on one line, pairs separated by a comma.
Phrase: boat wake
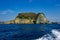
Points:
[[55, 35]]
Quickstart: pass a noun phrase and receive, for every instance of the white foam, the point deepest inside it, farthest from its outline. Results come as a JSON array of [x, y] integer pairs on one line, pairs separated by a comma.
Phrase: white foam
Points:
[[56, 33]]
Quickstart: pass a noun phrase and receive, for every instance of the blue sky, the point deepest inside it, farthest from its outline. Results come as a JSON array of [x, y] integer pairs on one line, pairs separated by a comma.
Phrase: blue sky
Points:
[[9, 9]]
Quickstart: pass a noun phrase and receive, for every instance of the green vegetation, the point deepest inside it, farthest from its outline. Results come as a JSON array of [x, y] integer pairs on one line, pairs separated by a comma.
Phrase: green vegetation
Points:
[[30, 15]]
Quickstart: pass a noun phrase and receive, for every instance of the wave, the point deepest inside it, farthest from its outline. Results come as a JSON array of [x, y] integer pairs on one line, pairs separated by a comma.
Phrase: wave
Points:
[[54, 36]]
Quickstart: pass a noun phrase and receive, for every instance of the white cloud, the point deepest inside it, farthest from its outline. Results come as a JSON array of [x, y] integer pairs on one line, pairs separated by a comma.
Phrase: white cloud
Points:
[[6, 12]]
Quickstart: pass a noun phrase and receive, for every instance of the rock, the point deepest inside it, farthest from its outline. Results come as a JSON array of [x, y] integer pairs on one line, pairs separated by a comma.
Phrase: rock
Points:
[[25, 18], [10, 22], [17, 20], [29, 18], [41, 18]]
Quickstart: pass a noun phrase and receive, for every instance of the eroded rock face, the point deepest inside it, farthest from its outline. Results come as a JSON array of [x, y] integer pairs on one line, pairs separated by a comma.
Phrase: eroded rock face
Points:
[[25, 18], [41, 18], [17, 20], [23, 21]]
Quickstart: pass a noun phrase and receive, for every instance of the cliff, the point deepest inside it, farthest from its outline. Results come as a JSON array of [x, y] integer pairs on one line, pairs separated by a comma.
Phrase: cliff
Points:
[[41, 18], [25, 18], [29, 18]]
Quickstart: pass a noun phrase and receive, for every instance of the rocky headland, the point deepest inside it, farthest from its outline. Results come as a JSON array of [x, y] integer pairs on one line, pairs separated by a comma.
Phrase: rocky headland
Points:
[[29, 18]]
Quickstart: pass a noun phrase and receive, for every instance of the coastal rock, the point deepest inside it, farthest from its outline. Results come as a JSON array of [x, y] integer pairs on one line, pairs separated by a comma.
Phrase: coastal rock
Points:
[[9, 22], [41, 18], [29, 18], [25, 18]]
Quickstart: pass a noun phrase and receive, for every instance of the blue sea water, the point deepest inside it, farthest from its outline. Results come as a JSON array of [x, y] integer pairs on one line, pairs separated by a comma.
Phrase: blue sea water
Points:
[[26, 31]]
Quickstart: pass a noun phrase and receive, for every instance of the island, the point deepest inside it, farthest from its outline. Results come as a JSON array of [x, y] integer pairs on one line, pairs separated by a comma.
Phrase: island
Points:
[[29, 18]]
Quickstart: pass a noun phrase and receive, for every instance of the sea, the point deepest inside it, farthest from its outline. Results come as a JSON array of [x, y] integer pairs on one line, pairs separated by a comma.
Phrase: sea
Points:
[[29, 31]]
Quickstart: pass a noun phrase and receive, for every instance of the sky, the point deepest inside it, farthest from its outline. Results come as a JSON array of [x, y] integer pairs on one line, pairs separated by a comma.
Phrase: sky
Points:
[[9, 9]]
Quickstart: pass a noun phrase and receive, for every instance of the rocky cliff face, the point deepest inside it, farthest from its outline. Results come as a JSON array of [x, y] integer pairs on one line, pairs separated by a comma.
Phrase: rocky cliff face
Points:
[[41, 18], [29, 18], [25, 18]]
